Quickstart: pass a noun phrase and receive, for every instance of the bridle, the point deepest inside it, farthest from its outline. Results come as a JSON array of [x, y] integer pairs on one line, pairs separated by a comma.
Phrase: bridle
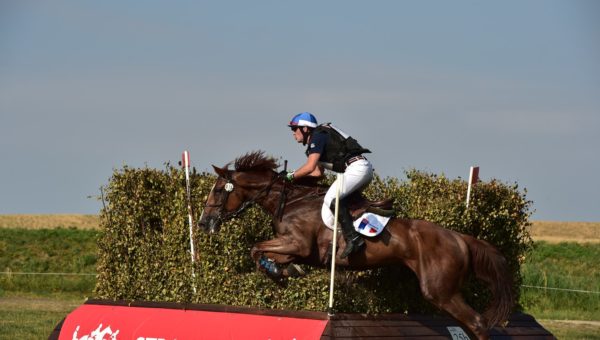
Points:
[[223, 215]]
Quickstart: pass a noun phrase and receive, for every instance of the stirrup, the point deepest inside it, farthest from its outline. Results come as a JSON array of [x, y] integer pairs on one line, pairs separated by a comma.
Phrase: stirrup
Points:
[[353, 246], [329, 253]]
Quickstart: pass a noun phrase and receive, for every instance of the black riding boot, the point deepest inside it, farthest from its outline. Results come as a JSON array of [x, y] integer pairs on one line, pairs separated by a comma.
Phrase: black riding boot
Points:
[[353, 239]]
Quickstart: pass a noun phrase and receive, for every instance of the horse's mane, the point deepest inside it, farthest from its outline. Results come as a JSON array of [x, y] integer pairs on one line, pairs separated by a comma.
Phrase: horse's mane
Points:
[[255, 161]]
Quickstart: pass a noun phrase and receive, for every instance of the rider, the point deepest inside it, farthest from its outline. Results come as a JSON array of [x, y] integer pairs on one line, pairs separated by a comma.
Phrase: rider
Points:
[[332, 149]]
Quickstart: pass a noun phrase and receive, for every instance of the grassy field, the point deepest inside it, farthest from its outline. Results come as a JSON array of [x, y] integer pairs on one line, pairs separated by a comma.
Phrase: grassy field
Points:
[[34, 315], [32, 304], [33, 299], [31, 260], [564, 266]]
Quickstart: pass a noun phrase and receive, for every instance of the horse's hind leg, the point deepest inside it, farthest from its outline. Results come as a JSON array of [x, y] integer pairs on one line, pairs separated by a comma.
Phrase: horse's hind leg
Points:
[[444, 293], [458, 308]]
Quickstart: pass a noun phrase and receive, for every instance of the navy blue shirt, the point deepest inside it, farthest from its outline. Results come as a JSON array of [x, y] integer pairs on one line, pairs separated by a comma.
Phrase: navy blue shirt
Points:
[[317, 144]]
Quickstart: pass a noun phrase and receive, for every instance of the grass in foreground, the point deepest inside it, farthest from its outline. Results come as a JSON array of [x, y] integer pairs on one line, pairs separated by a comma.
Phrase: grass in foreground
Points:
[[27, 316], [572, 330]]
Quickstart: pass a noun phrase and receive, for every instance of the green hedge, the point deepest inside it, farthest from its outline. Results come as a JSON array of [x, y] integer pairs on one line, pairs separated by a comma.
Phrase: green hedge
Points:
[[144, 246]]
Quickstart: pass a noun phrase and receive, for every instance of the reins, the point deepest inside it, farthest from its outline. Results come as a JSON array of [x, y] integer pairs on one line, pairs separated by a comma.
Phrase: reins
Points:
[[316, 193], [282, 197], [229, 187]]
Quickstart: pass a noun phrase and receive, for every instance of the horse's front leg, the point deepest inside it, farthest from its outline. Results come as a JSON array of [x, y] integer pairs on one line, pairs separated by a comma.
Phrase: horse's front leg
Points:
[[272, 254]]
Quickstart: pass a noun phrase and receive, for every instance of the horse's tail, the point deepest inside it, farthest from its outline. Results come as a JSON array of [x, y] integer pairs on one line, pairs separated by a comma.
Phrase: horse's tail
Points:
[[490, 266]]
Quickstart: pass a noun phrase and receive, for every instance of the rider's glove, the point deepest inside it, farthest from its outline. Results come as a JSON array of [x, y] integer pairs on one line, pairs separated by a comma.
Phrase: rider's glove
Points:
[[289, 176]]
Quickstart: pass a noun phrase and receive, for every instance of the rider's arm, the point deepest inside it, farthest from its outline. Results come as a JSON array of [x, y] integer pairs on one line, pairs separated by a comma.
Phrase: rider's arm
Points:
[[310, 168]]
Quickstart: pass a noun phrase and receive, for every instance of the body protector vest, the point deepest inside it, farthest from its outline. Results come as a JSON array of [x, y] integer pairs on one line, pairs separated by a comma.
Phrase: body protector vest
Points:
[[339, 148]]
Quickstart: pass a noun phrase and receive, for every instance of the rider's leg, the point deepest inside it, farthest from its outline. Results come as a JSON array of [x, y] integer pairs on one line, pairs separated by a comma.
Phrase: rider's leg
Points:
[[353, 239], [356, 177]]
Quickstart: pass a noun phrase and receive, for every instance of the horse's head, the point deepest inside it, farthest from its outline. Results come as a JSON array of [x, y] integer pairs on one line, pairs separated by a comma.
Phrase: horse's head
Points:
[[223, 200], [236, 189]]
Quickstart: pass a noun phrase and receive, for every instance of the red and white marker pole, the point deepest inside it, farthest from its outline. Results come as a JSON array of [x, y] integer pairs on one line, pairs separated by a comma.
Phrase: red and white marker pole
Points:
[[186, 165], [473, 179]]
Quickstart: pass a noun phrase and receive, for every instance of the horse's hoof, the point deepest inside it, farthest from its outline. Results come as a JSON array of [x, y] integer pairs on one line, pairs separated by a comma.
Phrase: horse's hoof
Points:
[[295, 270], [270, 267]]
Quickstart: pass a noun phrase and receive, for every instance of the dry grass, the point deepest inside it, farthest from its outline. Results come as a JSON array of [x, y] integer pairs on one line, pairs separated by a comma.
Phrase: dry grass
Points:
[[49, 221], [549, 231], [555, 232], [49, 304]]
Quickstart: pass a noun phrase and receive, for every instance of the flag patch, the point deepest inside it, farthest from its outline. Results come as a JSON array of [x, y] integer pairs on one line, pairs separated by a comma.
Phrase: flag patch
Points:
[[363, 224], [370, 224]]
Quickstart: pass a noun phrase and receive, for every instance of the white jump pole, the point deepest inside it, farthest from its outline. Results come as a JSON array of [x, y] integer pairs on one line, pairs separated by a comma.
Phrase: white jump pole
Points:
[[340, 183], [186, 165], [473, 178]]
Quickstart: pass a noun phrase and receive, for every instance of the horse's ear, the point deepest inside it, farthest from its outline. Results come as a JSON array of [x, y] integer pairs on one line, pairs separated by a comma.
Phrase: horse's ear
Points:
[[223, 172]]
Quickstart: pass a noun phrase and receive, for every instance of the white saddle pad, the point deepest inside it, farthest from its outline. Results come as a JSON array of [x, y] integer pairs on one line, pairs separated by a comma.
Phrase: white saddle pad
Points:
[[370, 224]]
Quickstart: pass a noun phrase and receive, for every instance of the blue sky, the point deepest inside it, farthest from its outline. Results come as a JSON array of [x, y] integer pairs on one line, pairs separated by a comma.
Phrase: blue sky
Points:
[[511, 86]]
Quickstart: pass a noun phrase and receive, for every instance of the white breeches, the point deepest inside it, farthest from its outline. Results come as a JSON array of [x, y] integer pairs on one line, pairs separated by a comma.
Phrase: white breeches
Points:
[[356, 177]]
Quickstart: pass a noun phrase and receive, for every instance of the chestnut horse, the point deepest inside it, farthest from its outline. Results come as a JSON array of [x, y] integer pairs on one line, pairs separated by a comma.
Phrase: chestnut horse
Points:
[[440, 258]]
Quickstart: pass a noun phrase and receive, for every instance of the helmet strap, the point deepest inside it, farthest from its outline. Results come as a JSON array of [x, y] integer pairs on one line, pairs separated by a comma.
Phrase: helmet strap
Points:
[[305, 134]]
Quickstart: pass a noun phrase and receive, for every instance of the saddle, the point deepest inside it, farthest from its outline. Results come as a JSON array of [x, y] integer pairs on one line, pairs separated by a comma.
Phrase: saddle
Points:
[[358, 205]]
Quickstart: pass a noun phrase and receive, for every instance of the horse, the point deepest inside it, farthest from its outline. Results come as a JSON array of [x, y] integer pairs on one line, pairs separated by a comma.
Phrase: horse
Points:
[[440, 258]]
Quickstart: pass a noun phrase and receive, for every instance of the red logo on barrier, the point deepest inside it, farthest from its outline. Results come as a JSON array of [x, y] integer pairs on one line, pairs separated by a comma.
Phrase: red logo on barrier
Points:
[[97, 322]]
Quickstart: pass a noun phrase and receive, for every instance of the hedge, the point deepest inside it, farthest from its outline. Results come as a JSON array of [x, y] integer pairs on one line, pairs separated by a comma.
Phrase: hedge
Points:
[[144, 244]]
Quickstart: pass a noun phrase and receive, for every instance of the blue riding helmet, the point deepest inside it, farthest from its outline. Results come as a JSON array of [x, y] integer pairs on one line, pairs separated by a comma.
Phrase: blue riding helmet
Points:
[[304, 119]]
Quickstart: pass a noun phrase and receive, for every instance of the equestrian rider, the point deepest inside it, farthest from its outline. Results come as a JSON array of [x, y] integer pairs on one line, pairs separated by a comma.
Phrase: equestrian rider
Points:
[[332, 149]]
